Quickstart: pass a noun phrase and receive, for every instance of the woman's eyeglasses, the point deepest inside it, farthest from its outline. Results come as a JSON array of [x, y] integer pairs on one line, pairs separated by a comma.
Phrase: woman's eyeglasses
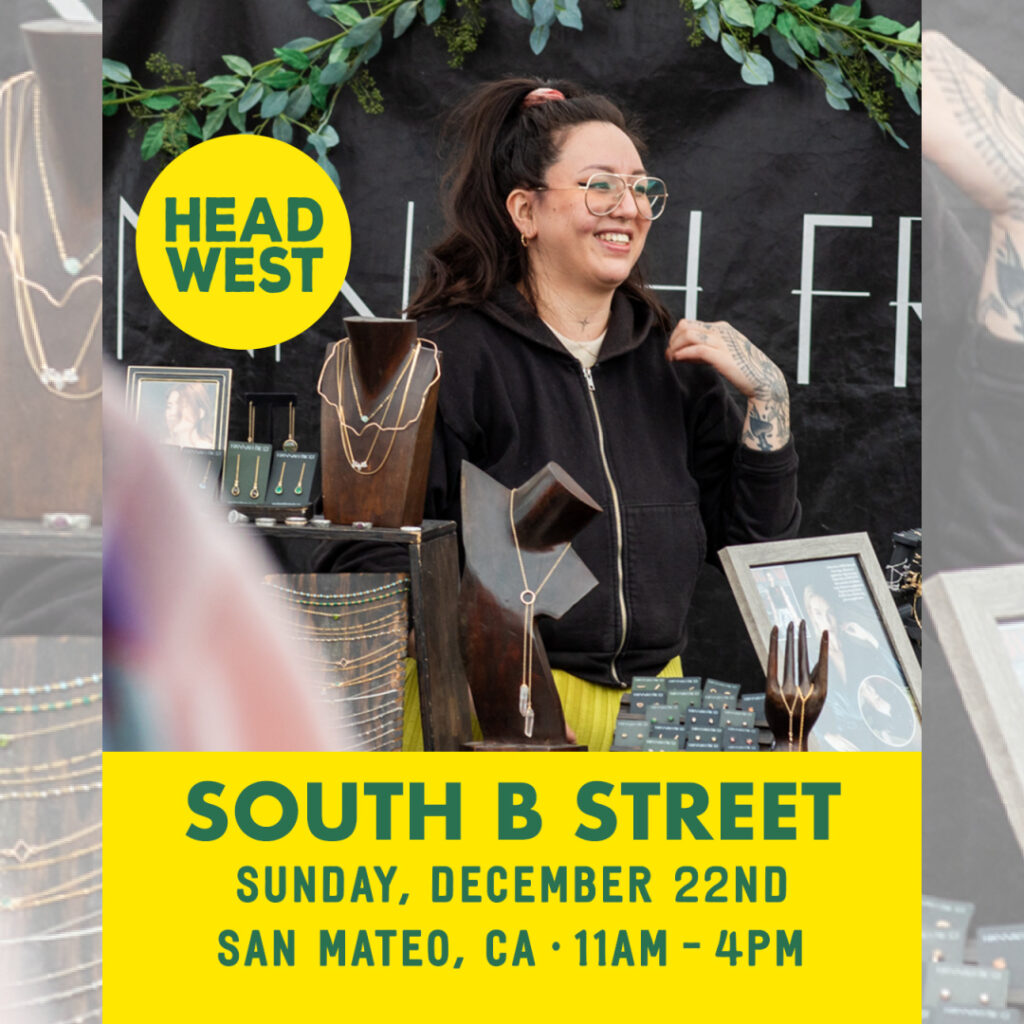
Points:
[[603, 193]]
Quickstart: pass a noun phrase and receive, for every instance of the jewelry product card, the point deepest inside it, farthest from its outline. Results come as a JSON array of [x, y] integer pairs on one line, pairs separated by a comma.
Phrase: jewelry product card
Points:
[[291, 479], [1002, 947], [939, 913], [943, 945], [246, 473], [963, 985]]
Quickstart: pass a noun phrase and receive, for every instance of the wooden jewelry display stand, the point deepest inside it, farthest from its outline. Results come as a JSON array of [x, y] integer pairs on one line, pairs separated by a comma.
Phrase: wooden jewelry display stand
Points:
[[50, 360], [519, 564], [792, 709], [379, 392]]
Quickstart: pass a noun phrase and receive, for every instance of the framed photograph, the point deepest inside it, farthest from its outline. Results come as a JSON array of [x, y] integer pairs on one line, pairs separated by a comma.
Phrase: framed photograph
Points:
[[182, 406], [978, 616], [836, 583]]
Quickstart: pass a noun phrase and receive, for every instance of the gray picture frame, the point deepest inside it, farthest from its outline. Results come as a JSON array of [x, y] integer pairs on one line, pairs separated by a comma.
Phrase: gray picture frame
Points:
[[739, 561], [148, 389], [966, 608]]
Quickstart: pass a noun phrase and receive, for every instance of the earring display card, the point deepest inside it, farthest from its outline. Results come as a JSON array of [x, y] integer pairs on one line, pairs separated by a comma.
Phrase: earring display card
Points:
[[291, 479], [939, 913], [943, 945], [1002, 946], [963, 985], [202, 468], [246, 473]]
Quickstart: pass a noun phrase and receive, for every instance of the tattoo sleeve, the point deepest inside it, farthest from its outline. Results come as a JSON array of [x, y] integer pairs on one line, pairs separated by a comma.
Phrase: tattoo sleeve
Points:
[[766, 427]]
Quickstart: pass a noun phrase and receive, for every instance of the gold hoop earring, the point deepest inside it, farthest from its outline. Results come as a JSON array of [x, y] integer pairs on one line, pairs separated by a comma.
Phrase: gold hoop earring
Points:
[[525, 241]]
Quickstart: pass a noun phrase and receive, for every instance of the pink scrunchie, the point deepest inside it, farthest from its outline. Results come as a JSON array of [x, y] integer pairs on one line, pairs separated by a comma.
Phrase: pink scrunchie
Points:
[[539, 96]]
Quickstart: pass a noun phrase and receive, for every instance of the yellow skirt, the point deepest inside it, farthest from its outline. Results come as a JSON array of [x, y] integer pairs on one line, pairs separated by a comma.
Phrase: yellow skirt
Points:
[[590, 710]]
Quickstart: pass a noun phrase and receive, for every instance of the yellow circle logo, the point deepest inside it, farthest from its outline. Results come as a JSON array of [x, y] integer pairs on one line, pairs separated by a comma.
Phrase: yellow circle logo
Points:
[[243, 242]]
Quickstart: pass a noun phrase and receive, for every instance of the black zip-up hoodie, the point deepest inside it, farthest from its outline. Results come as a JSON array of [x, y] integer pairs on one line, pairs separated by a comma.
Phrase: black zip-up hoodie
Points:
[[674, 481]]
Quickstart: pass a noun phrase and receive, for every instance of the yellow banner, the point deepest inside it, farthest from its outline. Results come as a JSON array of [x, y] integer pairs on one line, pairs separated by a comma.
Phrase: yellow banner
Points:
[[255, 887]]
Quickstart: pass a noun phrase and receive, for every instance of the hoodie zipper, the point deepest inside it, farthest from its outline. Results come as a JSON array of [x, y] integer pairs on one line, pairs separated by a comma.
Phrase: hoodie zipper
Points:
[[617, 510]]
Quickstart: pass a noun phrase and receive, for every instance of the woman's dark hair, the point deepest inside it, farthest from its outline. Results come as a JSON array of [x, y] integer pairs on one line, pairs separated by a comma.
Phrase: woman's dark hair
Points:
[[497, 146]]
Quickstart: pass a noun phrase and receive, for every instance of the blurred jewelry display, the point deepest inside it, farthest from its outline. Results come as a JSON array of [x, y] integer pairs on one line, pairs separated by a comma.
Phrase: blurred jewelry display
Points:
[[56, 381], [358, 640], [345, 381]]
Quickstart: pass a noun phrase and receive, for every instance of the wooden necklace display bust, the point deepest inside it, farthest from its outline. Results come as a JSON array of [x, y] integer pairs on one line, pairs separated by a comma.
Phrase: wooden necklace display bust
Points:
[[519, 564], [379, 394], [50, 283]]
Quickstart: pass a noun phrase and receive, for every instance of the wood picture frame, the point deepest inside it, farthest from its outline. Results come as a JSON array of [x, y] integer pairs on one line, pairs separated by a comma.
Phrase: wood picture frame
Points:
[[978, 617], [836, 583], [182, 406]]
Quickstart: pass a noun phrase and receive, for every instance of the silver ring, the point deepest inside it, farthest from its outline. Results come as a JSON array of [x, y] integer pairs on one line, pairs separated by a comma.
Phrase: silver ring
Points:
[[66, 520]]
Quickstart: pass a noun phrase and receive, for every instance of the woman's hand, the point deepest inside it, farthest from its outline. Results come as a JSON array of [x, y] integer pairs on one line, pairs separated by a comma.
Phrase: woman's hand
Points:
[[747, 368]]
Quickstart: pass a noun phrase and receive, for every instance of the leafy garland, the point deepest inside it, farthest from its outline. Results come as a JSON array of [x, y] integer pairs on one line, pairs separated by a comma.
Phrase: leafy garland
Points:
[[293, 95], [850, 55]]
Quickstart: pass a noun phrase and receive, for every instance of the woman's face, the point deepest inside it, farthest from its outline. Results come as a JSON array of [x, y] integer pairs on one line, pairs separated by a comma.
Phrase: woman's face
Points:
[[570, 247]]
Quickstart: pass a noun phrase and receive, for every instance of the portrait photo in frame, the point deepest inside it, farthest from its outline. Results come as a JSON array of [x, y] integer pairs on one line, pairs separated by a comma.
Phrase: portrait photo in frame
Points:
[[186, 407], [978, 618], [836, 584]]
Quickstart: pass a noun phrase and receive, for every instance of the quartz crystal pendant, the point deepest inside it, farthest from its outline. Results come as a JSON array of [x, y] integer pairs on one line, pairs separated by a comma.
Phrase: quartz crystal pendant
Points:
[[72, 266], [524, 699], [528, 725]]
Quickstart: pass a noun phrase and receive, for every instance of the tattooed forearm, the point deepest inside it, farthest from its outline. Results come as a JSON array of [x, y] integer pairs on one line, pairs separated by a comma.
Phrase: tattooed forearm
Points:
[[986, 120], [766, 427], [1009, 281]]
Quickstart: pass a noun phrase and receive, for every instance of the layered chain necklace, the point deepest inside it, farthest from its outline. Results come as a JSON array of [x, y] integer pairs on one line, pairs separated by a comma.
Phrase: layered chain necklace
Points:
[[528, 598], [56, 381], [345, 379]]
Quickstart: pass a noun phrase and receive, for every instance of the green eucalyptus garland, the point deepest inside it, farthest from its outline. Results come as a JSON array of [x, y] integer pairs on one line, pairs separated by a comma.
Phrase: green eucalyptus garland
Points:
[[293, 94]]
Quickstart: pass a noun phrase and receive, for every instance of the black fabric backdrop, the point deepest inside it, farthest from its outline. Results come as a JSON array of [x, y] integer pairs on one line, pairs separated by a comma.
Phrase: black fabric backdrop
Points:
[[754, 161]]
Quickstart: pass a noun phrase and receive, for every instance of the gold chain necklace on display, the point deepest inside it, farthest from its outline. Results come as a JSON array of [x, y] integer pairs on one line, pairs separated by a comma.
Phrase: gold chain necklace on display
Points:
[[72, 265], [55, 894], [340, 355], [362, 466], [6, 739], [22, 851], [528, 599], [53, 380]]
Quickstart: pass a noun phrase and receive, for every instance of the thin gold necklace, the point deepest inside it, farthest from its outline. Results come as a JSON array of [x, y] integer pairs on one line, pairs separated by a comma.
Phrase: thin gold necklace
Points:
[[53, 380], [71, 265], [528, 599]]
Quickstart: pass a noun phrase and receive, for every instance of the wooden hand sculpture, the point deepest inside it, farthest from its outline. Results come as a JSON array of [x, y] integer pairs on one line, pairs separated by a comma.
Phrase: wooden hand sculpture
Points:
[[793, 709]]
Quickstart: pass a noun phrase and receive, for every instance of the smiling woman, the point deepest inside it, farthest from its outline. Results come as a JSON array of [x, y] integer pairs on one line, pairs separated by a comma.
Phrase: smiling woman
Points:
[[554, 350]]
